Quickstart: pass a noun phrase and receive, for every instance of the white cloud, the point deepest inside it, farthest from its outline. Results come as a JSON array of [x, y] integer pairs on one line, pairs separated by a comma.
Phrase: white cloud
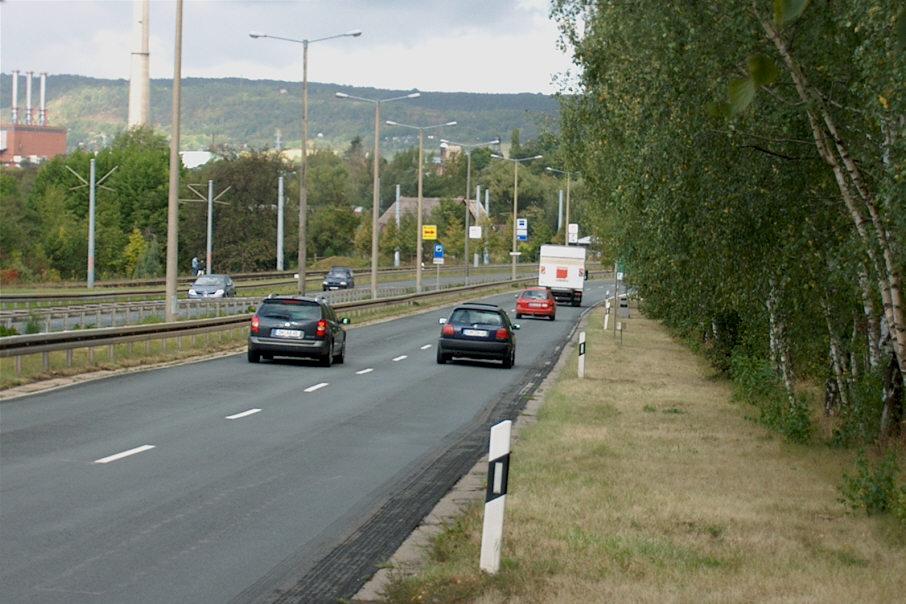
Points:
[[432, 45]]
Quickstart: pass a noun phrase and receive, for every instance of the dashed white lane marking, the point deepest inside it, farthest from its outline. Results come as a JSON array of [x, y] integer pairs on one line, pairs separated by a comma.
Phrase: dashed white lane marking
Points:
[[400, 358], [117, 456], [364, 371], [426, 347], [315, 387], [244, 414]]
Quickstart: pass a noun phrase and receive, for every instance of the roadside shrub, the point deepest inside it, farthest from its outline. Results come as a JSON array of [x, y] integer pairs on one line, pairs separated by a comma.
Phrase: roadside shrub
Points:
[[858, 422], [33, 325], [756, 383], [8, 331], [873, 489]]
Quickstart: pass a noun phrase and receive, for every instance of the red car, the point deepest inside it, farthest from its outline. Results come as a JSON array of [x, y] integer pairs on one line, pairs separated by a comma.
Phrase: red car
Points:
[[536, 301]]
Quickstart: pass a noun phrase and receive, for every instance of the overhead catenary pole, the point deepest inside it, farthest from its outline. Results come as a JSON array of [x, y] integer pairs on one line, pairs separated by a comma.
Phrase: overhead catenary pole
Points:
[[211, 200], [91, 211], [280, 223], [208, 259], [92, 183]]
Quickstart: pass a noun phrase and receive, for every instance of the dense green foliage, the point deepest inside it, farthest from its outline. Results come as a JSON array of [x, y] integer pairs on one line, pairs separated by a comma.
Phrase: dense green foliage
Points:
[[45, 236], [748, 161]]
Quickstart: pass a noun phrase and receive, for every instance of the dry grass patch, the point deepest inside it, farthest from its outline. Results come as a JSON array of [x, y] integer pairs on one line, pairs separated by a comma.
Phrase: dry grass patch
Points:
[[644, 483]]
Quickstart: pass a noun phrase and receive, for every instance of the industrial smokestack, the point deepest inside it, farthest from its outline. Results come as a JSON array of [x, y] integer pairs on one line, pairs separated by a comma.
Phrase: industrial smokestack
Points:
[[139, 78], [28, 75], [42, 111], [14, 108]]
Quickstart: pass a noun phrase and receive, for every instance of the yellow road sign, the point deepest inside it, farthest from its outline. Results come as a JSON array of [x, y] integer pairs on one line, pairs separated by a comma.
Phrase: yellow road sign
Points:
[[429, 231]]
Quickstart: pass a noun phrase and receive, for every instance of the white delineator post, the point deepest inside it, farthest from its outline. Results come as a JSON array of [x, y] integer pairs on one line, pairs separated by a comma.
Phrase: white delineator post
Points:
[[582, 355], [495, 497]]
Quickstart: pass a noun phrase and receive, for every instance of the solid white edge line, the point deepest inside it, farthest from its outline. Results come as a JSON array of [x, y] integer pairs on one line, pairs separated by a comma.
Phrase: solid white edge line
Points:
[[400, 358], [315, 387], [117, 456], [364, 371], [244, 414]]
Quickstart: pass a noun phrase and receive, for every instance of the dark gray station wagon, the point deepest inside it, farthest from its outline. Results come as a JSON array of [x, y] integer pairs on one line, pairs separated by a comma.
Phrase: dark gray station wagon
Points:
[[296, 326]]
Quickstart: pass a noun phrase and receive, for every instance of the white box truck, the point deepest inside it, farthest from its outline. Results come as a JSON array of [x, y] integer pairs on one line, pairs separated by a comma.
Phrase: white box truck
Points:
[[561, 268]]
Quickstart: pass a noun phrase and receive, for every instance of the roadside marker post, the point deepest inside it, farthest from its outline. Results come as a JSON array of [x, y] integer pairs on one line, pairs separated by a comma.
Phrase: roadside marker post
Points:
[[495, 496], [582, 355]]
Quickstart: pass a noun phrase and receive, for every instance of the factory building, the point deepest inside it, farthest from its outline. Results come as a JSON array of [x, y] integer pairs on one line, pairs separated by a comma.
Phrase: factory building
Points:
[[27, 138]]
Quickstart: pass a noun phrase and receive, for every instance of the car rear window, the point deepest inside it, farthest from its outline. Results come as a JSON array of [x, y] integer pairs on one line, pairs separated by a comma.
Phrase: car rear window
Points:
[[290, 310], [534, 294], [473, 317], [208, 280]]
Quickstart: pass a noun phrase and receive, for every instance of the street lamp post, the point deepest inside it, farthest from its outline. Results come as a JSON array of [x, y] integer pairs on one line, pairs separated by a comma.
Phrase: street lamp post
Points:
[[376, 188], [418, 237], [303, 167], [568, 176], [516, 162], [468, 148]]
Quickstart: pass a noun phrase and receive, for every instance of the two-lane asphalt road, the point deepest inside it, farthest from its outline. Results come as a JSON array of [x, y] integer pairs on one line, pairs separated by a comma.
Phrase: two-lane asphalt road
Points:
[[227, 481]]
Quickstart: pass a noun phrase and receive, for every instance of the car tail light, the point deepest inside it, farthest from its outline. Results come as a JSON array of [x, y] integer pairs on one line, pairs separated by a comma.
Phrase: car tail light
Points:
[[322, 328], [256, 323], [448, 329], [501, 333]]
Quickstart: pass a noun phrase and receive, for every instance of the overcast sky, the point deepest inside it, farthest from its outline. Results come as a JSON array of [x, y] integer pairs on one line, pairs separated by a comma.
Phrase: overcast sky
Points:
[[490, 46]]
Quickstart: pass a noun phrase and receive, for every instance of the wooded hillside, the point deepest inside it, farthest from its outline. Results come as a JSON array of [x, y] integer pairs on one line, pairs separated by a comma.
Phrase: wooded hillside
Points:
[[241, 113]]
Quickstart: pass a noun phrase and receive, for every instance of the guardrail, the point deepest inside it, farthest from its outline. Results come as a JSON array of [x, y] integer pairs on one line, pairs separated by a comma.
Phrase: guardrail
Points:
[[112, 314], [68, 341], [142, 291]]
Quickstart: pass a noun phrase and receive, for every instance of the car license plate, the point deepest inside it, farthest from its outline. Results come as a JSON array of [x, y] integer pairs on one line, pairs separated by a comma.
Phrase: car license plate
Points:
[[287, 333], [536, 305], [478, 333]]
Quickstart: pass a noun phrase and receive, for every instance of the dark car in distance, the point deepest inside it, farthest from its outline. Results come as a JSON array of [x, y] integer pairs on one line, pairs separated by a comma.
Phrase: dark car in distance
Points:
[[212, 286], [297, 326], [339, 277], [536, 302], [477, 331]]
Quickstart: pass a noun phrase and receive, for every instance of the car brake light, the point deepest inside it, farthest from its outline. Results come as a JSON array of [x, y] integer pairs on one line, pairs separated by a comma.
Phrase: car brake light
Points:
[[322, 328], [448, 329], [501, 333], [255, 324]]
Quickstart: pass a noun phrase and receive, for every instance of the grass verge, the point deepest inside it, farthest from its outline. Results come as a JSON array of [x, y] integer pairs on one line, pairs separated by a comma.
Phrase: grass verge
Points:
[[644, 482]]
